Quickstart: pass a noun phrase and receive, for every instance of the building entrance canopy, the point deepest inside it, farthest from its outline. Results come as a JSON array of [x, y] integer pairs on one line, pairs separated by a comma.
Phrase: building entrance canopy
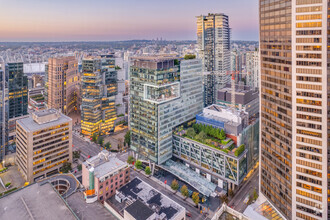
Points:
[[189, 176]]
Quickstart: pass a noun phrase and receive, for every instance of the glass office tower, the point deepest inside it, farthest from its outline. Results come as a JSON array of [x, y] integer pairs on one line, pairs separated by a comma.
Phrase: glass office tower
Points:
[[17, 90], [164, 93], [3, 113], [99, 88], [294, 171]]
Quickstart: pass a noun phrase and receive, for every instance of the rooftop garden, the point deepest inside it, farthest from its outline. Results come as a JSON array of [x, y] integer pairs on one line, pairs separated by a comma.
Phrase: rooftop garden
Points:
[[213, 137], [38, 98], [189, 56]]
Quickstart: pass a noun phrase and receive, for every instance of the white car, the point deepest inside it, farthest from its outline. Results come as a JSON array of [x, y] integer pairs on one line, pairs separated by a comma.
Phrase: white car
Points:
[[246, 199]]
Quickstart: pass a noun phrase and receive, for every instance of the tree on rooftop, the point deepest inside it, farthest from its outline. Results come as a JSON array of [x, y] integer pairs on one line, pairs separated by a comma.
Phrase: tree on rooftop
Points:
[[195, 198], [201, 136], [222, 135], [191, 132], [184, 191], [208, 141]]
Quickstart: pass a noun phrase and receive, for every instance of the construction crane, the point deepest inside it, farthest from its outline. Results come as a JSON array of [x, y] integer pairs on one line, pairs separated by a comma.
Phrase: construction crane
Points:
[[233, 89]]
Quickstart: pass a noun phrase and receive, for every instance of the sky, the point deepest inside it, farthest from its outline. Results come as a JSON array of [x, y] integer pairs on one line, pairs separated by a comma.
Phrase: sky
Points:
[[112, 20]]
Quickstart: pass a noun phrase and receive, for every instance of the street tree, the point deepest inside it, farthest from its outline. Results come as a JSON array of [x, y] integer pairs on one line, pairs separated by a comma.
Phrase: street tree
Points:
[[100, 140], [175, 185], [127, 138], [224, 199], [130, 159], [138, 165], [76, 154], [147, 170], [94, 137], [107, 146], [184, 191], [195, 198], [66, 167]]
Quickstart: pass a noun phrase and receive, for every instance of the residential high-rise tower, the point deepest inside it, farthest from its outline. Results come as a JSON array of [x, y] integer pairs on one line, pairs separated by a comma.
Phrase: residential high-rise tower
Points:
[[252, 69], [213, 40], [294, 158]]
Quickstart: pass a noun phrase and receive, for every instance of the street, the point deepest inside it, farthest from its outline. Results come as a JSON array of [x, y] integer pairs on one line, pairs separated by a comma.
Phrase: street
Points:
[[237, 202], [86, 147]]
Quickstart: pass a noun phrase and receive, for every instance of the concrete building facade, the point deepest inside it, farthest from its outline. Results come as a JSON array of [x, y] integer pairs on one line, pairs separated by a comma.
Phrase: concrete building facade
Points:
[[44, 143]]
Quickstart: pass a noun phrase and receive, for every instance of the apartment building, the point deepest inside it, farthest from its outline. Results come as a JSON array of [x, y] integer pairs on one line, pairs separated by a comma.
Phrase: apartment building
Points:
[[213, 42]]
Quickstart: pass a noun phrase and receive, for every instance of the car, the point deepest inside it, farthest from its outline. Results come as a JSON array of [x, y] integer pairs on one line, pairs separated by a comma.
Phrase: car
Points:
[[89, 156], [246, 199], [188, 214]]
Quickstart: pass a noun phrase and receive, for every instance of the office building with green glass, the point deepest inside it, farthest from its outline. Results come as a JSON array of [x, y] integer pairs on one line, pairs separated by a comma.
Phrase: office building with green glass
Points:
[[164, 92]]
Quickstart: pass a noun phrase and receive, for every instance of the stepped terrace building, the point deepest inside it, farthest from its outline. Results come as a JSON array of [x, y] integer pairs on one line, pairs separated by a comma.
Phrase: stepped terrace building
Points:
[[164, 92], [99, 88], [223, 158]]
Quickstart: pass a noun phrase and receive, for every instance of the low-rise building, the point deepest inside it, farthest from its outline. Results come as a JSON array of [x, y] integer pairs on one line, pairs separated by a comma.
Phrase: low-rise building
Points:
[[37, 102], [44, 141], [137, 200], [102, 175], [245, 98]]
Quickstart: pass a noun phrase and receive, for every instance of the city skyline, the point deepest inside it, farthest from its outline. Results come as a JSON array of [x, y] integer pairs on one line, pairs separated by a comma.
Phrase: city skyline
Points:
[[111, 21]]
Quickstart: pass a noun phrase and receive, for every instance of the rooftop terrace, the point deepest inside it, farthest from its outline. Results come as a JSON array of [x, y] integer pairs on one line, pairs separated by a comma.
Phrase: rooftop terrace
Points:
[[209, 136]]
